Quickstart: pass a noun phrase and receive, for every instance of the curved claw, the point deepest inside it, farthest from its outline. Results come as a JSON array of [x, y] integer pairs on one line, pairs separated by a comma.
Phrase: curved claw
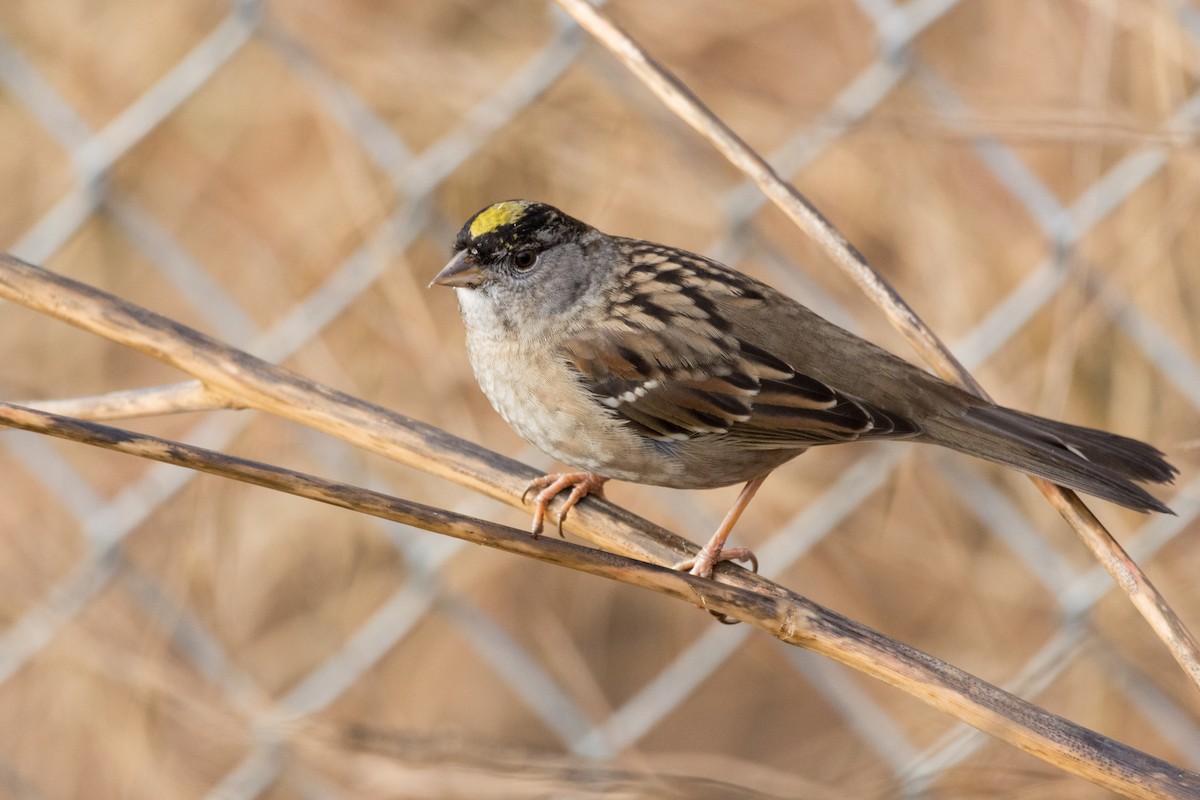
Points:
[[700, 562], [744, 554], [550, 486]]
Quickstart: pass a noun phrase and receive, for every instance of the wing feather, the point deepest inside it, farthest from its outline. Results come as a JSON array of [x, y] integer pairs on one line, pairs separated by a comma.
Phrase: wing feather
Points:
[[669, 388]]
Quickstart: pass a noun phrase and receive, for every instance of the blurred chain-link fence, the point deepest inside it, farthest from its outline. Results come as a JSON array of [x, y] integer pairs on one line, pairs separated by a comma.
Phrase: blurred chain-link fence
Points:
[[288, 176]]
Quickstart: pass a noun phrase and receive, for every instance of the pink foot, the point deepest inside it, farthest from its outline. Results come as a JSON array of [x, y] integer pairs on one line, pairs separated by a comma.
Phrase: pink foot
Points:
[[550, 486], [703, 562]]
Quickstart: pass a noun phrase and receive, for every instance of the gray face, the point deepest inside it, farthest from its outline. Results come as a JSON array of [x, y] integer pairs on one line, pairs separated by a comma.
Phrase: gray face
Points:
[[552, 285], [519, 261]]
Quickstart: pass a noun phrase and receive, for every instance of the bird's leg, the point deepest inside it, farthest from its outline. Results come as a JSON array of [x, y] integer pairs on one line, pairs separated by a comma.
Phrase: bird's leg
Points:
[[549, 486], [714, 550]]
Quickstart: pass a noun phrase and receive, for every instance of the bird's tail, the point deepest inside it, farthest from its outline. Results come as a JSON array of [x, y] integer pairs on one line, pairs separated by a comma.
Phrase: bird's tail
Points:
[[1091, 461]]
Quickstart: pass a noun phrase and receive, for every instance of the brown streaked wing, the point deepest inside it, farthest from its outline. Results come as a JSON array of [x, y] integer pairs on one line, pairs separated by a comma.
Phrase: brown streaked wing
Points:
[[670, 384], [676, 384]]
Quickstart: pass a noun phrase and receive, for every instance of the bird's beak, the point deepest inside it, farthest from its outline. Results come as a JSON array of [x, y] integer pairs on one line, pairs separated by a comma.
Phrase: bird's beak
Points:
[[462, 271]]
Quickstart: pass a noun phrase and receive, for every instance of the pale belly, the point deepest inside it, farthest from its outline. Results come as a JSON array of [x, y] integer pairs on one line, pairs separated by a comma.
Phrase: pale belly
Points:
[[521, 389]]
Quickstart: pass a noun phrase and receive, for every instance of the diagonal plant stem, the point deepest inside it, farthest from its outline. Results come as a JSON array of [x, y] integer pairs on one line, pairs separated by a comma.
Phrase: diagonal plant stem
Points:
[[676, 96]]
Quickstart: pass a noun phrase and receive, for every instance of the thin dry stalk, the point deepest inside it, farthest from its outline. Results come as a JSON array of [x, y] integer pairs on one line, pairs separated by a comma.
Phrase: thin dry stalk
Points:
[[675, 95], [151, 401]]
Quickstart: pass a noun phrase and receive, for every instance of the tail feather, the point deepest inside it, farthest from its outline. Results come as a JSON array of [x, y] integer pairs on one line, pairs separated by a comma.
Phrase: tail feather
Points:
[[1091, 461]]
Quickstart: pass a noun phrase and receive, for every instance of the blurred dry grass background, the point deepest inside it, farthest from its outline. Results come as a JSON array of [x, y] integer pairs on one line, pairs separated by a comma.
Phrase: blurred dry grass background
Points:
[[288, 177]]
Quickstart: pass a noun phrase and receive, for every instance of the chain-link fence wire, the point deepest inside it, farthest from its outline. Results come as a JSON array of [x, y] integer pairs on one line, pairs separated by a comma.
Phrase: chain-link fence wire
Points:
[[288, 176]]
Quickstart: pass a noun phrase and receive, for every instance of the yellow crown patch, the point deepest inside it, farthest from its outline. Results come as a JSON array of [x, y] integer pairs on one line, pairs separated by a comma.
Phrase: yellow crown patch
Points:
[[496, 215]]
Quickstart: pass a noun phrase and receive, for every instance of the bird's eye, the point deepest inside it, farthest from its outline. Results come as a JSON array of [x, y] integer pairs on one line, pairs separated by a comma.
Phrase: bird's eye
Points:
[[524, 259]]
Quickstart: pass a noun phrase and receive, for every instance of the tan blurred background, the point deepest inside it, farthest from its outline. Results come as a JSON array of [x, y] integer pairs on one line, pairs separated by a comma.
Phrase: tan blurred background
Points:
[[288, 176]]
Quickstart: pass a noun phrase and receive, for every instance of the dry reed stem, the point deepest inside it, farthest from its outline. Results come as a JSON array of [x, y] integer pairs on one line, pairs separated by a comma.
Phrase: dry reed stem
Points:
[[785, 615], [241, 380], [675, 95], [151, 401]]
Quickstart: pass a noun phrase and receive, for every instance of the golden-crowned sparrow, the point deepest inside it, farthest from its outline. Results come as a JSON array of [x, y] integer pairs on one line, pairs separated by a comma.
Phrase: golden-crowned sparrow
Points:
[[637, 361]]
